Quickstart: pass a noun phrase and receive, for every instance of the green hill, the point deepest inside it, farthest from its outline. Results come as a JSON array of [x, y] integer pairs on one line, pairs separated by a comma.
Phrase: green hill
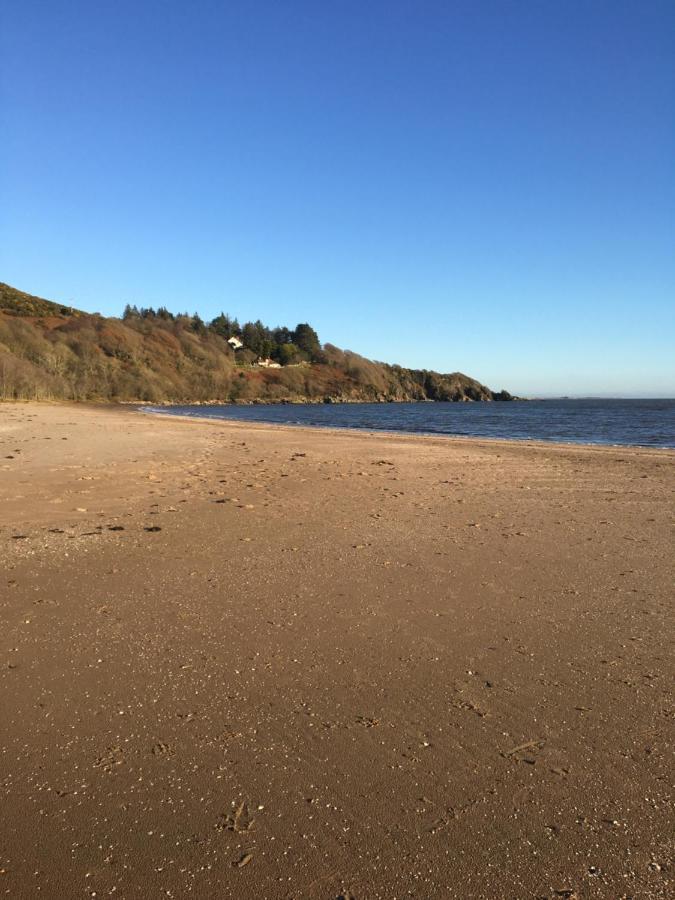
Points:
[[52, 351]]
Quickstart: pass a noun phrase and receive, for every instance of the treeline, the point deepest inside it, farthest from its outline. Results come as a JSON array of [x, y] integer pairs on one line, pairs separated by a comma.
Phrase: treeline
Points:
[[49, 351], [283, 345]]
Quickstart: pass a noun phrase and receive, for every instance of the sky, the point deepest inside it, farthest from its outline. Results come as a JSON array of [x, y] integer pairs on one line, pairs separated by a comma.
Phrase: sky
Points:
[[484, 186]]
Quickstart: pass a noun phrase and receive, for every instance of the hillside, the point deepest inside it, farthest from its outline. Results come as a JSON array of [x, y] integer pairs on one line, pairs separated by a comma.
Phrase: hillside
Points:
[[52, 351], [19, 303]]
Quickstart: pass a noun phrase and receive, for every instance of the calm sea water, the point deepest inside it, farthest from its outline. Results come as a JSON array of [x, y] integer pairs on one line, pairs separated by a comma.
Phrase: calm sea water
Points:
[[646, 423]]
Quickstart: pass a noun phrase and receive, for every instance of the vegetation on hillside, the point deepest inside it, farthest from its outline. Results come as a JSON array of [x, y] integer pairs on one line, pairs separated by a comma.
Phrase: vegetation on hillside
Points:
[[51, 351], [20, 304], [260, 342]]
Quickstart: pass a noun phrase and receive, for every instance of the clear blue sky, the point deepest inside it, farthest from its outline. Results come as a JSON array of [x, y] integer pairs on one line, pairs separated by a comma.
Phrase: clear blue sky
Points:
[[486, 185]]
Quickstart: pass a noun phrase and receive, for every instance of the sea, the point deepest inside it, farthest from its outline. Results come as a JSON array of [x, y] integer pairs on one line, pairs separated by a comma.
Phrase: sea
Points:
[[621, 423]]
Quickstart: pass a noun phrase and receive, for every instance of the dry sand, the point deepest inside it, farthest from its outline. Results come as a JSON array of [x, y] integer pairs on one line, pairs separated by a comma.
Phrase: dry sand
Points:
[[259, 662]]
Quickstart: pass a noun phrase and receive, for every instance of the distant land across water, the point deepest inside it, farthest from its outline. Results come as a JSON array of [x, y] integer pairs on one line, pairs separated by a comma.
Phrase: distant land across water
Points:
[[642, 423]]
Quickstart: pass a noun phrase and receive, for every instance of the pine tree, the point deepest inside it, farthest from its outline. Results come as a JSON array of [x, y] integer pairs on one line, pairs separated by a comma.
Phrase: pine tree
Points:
[[306, 339]]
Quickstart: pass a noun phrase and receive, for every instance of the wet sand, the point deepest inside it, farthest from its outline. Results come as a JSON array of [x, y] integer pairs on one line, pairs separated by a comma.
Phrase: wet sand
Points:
[[244, 661]]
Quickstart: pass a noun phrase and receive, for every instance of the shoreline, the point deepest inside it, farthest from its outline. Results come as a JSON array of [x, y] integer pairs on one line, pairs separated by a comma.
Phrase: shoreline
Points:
[[367, 664], [479, 439], [164, 411]]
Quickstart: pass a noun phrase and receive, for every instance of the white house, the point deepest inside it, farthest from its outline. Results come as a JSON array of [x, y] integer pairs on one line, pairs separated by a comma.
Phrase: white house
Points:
[[235, 343], [268, 364]]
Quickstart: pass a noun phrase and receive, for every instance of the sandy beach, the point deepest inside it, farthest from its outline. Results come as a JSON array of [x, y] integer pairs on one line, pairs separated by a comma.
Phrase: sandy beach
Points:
[[244, 661]]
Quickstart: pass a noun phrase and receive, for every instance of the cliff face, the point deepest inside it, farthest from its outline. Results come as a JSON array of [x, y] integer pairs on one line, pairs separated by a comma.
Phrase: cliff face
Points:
[[50, 351]]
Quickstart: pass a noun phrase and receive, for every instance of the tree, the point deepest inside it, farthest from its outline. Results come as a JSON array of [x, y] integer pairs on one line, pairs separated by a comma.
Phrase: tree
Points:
[[306, 339], [245, 357], [222, 325], [258, 338], [251, 338], [197, 324], [287, 354], [282, 335]]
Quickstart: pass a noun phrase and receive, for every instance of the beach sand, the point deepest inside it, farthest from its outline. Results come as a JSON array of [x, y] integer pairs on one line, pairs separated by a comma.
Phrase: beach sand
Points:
[[245, 661]]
